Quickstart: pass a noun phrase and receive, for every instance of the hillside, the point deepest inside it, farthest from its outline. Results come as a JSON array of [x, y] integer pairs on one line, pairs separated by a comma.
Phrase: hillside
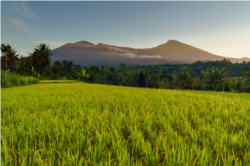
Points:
[[86, 53]]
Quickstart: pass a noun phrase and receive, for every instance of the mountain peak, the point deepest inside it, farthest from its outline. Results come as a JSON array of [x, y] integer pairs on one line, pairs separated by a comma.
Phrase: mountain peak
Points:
[[174, 42], [170, 43], [84, 43], [172, 51], [100, 44]]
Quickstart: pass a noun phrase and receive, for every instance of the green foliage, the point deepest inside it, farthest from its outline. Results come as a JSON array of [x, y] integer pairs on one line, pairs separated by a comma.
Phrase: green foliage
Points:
[[207, 87], [227, 87], [16, 80], [65, 68], [196, 68], [41, 57], [83, 74], [24, 66], [246, 72], [9, 56], [164, 85], [215, 77], [239, 84], [184, 79], [153, 78]]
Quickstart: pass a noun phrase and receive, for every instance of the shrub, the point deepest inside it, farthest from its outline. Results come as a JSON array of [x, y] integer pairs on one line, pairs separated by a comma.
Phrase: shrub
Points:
[[164, 85], [15, 80], [227, 87], [8, 80], [207, 87]]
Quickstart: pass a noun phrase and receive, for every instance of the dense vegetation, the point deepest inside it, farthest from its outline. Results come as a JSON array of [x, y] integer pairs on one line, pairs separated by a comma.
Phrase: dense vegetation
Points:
[[9, 80], [88, 124], [234, 69], [166, 76]]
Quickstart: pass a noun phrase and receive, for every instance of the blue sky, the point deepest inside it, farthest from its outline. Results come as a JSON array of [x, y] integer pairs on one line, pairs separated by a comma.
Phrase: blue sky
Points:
[[222, 28]]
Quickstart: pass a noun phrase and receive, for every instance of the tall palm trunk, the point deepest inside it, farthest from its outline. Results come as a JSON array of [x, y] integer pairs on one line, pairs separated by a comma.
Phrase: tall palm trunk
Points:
[[215, 87], [82, 79]]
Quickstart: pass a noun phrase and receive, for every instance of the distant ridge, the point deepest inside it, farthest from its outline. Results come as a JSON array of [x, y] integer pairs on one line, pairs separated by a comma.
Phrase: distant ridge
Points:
[[173, 51]]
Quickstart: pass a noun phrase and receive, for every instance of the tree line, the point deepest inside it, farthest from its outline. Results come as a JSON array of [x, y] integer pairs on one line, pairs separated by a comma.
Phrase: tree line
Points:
[[215, 75]]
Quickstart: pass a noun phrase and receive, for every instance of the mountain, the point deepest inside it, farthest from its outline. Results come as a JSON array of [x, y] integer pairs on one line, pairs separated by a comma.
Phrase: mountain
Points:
[[86, 53]]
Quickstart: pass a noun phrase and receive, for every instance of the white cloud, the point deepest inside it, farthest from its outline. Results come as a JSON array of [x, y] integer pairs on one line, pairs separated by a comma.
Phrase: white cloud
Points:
[[132, 55], [21, 9], [19, 24]]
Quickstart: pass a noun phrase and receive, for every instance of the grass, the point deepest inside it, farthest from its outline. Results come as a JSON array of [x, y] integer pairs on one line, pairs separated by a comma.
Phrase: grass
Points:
[[56, 81], [87, 124], [16, 80]]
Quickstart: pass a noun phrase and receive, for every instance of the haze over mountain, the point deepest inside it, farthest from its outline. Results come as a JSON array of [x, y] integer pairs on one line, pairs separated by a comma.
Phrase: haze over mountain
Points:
[[86, 53]]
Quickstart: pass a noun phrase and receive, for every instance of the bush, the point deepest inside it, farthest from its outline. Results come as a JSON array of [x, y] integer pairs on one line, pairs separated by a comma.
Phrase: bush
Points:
[[207, 87], [164, 85], [15, 80], [8, 80], [227, 87], [24, 82]]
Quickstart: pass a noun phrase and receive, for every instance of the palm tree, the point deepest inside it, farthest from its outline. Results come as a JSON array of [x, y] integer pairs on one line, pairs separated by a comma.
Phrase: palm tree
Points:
[[44, 49], [13, 57], [246, 72], [238, 84], [83, 74], [5, 49], [41, 57], [215, 76], [184, 79]]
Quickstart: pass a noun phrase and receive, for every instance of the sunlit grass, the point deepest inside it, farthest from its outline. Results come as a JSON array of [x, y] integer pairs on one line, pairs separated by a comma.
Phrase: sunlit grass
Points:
[[56, 81], [16, 80], [87, 124]]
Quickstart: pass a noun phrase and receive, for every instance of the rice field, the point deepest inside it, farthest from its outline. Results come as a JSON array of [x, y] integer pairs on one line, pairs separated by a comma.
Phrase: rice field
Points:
[[89, 124], [56, 81]]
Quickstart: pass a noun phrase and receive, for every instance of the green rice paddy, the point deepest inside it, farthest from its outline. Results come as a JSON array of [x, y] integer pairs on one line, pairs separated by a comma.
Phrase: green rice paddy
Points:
[[56, 81], [89, 124]]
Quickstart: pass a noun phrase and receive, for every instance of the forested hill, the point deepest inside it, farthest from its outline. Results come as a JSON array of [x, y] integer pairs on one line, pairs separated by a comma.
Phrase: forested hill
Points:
[[197, 67]]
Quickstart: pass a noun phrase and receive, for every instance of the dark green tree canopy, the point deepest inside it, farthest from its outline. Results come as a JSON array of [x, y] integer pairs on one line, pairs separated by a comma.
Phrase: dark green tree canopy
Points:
[[41, 59], [215, 77], [184, 79]]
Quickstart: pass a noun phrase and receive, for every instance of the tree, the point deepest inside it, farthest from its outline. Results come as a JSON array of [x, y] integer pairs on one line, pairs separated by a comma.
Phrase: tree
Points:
[[64, 68], [122, 65], [184, 79], [83, 74], [33, 72], [41, 59], [13, 57], [215, 76], [239, 84], [152, 78], [24, 66], [135, 77], [124, 76], [5, 49], [164, 83], [93, 70], [246, 72]]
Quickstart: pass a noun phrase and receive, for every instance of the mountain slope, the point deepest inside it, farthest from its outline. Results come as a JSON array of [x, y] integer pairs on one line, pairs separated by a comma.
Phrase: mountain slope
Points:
[[86, 53]]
